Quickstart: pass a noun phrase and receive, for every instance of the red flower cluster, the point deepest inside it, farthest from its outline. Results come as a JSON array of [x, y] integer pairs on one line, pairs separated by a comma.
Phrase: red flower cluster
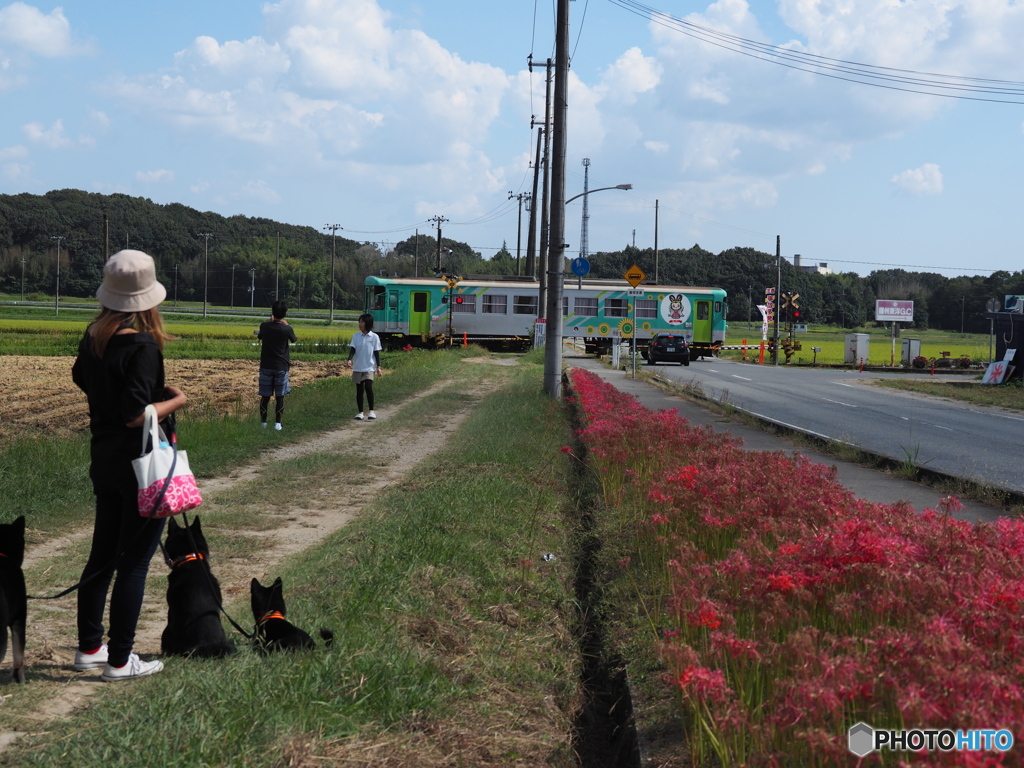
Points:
[[788, 609]]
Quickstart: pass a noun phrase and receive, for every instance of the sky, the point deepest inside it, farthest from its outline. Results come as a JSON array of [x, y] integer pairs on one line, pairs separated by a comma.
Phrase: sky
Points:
[[380, 115]]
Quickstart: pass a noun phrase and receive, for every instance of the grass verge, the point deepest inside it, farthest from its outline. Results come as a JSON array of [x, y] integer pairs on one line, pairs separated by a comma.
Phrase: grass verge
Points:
[[452, 631]]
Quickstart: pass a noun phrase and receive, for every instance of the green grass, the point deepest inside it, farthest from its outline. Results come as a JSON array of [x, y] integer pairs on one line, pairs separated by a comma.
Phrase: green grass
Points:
[[1010, 395], [833, 346], [418, 593]]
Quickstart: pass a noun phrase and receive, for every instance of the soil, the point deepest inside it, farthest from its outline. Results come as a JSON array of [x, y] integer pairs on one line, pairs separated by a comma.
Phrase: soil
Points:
[[47, 400], [39, 395]]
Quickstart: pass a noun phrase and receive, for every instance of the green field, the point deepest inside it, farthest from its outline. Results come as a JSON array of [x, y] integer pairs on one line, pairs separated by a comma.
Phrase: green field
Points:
[[831, 342]]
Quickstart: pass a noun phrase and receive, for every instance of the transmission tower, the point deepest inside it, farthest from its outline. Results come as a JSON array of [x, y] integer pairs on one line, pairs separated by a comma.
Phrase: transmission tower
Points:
[[586, 211]]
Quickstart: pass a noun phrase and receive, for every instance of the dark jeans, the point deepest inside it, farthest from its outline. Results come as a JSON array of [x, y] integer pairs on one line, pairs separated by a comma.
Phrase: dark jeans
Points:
[[119, 527]]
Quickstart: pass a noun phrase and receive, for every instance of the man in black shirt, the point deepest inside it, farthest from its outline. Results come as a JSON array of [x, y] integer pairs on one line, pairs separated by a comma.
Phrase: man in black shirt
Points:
[[275, 362]]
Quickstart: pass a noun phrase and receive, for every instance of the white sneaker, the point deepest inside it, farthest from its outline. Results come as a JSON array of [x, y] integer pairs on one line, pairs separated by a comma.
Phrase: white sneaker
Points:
[[277, 425], [264, 425], [135, 667], [359, 417], [86, 661], [372, 415]]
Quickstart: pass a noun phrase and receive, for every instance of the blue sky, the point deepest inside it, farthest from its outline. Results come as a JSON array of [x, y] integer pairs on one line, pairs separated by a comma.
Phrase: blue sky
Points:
[[381, 114]]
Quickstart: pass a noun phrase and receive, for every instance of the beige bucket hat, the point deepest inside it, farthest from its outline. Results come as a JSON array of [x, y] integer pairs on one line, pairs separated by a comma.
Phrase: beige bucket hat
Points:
[[129, 283]]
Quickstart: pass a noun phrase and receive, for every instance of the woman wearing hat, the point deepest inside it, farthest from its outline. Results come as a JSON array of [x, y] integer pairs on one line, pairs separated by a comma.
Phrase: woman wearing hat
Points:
[[120, 368]]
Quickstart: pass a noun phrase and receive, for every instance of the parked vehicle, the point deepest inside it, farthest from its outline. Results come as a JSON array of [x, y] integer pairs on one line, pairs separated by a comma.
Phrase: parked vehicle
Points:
[[502, 312], [668, 348]]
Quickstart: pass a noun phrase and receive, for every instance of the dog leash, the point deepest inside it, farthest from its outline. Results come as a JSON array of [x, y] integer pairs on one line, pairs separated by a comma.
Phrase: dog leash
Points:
[[209, 578]]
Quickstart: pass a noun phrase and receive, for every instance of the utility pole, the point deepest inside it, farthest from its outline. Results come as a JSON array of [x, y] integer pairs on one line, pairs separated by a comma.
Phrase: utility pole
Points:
[[438, 220], [584, 227], [416, 257], [277, 270], [334, 232], [56, 296], [655, 241], [106, 236], [206, 268], [252, 289], [531, 238], [22, 279], [634, 238], [232, 286], [175, 285], [519, 227], [298, 302], [556, 269], [544, 265]]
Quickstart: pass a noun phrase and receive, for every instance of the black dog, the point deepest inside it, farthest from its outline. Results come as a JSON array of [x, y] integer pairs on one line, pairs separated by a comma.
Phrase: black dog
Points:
[[193, 597], [13, 600], [273, 631]]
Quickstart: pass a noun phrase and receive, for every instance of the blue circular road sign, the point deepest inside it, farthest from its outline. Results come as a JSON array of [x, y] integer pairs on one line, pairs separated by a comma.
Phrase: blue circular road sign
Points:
[[580, 266]]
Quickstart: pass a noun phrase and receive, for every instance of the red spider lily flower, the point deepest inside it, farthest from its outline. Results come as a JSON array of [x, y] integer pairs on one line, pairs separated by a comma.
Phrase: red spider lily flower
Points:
[[658, 519], [566, 449], [703, 684]]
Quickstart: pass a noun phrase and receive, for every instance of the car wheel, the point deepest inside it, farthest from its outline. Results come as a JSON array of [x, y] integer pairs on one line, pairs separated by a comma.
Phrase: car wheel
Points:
[[686, 362]]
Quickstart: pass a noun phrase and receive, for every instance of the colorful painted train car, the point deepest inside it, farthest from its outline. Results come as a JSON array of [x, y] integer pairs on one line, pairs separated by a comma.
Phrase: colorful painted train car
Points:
[[499, 312]]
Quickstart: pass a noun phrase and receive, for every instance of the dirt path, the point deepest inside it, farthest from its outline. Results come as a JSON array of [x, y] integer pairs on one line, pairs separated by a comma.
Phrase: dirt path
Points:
[[323, 509]]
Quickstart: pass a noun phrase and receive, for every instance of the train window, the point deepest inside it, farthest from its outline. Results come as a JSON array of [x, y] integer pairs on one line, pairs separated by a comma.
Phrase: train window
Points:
[[718, 307], [378, 297], [585, 307], [393, 300], [524, 305], [703, 308], [646, 308], [616, 308], [419, 302], [468, 303], [495, 304], [565, 306]]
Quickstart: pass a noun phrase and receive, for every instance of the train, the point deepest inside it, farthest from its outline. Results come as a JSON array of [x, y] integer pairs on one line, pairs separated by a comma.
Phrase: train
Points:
[[500, 312]]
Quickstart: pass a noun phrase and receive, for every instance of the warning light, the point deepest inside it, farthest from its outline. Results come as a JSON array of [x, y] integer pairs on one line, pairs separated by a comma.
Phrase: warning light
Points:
[[796, 315], [458, 299]]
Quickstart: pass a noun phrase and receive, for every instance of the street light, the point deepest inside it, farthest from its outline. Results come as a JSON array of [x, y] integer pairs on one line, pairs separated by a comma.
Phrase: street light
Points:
[[556, 287]]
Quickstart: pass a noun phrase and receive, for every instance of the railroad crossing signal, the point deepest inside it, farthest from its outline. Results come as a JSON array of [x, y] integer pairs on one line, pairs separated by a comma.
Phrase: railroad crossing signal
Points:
[[789, 301], [634, 275], [453, 281]]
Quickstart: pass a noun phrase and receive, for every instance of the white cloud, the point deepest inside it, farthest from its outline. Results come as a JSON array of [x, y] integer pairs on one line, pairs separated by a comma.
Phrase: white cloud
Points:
[[28, 28], [154, 177], [13, 153], [52, 137], [631, 74], [19, 172], [918, 182], [659, 147]]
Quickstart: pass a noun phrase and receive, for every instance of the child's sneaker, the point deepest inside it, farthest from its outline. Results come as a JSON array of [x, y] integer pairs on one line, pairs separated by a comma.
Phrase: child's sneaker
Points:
[[86, 661], [277, 425], [372, 415], [264, 425], [359, 417], [135, 668]]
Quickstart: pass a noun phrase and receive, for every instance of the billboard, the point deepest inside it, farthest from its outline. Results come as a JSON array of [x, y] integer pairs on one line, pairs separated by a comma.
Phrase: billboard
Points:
[[894, 311]]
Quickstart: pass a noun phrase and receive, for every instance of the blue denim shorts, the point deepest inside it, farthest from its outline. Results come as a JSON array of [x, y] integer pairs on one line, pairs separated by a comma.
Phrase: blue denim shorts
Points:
[[273, 383]]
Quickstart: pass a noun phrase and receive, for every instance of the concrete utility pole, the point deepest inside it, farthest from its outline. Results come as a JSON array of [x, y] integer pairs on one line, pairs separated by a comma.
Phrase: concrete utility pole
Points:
[[584, 227], [334, 232], [544, 266], [531, 238], [277, 270], [206, 268], [778, 296], [438, 220], [252, 289], [556, 270], [23, 281], [655, 241], [56, 295]]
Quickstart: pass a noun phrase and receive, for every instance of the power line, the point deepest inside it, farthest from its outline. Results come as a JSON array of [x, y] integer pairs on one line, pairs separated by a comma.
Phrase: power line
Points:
[[911, 81]]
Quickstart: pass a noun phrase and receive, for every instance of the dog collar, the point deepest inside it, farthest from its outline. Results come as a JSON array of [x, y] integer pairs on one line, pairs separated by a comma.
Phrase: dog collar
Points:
[[185, 559], [271, 615]]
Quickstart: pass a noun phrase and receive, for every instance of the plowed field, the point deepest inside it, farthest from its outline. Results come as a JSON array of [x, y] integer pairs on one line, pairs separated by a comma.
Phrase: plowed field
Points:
[[37, 394]]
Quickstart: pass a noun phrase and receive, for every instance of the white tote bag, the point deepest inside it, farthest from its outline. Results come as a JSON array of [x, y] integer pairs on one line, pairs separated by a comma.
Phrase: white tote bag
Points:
[[166, 484]]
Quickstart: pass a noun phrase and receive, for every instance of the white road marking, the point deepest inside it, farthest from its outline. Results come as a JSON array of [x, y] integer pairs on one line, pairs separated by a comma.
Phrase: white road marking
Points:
[[740, 377], [837, 402]]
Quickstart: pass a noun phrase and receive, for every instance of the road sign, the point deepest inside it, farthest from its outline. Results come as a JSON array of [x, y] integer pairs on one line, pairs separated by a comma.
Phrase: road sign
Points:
[[580, 266], [634, 275]]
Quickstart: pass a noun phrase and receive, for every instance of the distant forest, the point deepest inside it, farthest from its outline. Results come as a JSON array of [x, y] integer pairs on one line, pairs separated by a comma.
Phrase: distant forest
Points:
[[246, 260]]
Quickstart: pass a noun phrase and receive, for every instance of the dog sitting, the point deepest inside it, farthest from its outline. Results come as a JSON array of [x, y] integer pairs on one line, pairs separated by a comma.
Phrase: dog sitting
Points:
[[13, 600], [193, 597], [273, 631]]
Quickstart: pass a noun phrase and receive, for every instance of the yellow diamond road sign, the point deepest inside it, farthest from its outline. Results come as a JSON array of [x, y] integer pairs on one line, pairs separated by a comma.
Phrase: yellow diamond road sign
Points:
[[634, 275]]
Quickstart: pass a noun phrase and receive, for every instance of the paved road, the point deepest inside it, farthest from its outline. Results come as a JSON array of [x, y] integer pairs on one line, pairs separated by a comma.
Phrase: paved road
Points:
[[976, 443]]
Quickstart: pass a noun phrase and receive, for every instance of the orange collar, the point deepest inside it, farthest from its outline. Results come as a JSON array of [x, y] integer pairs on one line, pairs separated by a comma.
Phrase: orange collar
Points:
[[185, 559], [271, 615]]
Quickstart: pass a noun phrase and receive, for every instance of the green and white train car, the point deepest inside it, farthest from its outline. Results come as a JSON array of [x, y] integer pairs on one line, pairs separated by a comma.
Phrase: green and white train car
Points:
[[495, 311]]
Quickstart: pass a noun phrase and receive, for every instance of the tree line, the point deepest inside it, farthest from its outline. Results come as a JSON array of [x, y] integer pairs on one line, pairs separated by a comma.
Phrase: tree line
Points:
[[239, 260]]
